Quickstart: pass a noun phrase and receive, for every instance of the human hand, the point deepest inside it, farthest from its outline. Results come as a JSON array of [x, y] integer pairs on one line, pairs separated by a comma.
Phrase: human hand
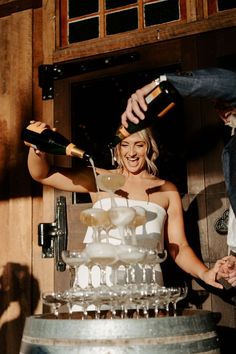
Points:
[[136, 105], [226, 112], [210, 276], [38, 127], [227, 270]]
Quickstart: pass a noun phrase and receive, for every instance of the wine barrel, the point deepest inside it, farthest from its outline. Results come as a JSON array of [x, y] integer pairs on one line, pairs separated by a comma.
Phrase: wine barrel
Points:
[[191, 332]]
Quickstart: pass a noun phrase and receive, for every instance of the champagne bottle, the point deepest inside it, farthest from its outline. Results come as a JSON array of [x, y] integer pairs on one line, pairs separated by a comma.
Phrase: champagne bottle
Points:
[[52, 142], [159, 101]]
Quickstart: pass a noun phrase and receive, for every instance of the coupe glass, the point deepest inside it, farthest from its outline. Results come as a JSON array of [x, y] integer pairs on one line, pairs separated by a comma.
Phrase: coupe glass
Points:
[[153, 258], [121, 217], [174, 296], [105, 298], [161, 298], [66, 296], [130, 256], [74, 259], [103, 255], [54, 300], [110, 183], [145, 299], [97, 218], [124, 299], [139, 219], [161, 256], [182, 290]]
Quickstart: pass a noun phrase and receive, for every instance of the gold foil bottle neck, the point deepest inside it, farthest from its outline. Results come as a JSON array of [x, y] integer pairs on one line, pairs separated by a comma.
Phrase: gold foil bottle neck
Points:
[[73, 150]]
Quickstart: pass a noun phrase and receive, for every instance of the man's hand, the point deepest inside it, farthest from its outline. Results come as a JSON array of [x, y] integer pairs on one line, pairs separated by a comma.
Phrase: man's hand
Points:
[[136, 105], [227, 270]]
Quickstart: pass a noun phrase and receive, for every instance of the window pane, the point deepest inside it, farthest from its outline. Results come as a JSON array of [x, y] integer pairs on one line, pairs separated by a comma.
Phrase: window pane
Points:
[[226, 4], [122, 21], [83, 30], [161, 12], [111, 4], [82, 7]]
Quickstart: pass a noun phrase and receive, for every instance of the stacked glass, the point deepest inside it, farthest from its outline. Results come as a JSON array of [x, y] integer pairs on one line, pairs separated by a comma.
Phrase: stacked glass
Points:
[[121, 278]]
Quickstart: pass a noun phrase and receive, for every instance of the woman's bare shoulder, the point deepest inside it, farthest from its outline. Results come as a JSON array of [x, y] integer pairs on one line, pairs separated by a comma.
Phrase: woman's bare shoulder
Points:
[[168, 186]]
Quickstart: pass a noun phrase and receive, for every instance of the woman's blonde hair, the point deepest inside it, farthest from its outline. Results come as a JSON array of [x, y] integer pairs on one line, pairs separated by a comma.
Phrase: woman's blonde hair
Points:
[[151, 155]]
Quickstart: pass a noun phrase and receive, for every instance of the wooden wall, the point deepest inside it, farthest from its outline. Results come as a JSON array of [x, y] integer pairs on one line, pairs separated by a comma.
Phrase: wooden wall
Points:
[[21, 274]]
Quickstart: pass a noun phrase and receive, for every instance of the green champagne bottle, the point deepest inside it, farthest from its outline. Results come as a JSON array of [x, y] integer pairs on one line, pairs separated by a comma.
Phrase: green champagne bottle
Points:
[[159, 101], [52, 142]]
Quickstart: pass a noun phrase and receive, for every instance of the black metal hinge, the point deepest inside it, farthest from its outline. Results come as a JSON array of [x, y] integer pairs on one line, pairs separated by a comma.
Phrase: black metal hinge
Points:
[[52, 237]]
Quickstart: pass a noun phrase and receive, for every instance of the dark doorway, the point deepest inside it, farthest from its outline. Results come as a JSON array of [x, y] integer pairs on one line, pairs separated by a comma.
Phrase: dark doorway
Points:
[[96, 107]]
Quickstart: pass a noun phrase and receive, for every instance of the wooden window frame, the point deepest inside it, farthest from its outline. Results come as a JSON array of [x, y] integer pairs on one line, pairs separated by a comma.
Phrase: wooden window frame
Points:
[[199, 19], [63, 22], [213, 8]]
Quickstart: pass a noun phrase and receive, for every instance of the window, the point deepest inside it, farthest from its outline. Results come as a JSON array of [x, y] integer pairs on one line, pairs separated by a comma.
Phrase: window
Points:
[[226, 4], [84, 20], [216, 6]]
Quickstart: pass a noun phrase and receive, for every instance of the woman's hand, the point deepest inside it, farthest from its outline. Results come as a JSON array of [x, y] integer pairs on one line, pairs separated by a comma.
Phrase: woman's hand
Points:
[[38, 126], [210, 276]]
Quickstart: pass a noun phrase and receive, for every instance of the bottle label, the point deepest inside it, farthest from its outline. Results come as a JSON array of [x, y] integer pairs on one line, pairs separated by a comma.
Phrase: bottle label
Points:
[[153, 94]]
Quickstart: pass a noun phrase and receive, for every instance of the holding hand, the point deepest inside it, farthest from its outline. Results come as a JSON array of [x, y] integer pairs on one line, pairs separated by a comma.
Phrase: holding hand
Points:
[[136, 105], [38, 127], [210, 276], [227, 270]]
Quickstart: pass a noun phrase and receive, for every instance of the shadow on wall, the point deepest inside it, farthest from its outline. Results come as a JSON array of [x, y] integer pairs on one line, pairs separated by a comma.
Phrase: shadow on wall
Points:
[[19, 296]]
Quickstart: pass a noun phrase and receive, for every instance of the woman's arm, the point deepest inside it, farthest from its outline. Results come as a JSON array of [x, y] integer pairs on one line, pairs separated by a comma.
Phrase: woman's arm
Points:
[[80, 180], [38, 164], [179, 248]]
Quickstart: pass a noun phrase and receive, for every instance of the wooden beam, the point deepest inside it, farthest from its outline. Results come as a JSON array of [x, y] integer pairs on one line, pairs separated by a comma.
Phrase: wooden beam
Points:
[[18, 5]]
